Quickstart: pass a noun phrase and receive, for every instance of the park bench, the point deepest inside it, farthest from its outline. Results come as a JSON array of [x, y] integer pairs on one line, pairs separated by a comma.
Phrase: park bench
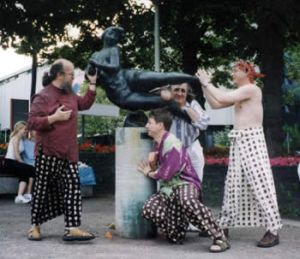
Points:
[[8, 182]]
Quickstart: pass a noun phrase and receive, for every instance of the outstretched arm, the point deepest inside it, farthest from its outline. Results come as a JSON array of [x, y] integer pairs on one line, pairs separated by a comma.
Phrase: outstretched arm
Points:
[[214, 104], [219, 98]]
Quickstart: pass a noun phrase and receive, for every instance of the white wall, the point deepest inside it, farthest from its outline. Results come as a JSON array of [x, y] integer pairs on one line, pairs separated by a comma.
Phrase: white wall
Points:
[[223, 116], [16, 86]]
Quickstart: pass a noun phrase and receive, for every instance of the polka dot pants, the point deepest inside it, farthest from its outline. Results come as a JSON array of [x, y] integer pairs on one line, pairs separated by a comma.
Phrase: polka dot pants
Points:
[[172, 214], [249, 195], [56, 191]]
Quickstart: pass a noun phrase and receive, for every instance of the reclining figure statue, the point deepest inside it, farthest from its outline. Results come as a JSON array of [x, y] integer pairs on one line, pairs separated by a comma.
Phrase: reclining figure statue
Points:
[[131, 89]]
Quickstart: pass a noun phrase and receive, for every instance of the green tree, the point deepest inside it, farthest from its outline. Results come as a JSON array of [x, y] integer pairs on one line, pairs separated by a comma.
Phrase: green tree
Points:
[[34, 26], [95, 125], [209, 34], [214, 33]]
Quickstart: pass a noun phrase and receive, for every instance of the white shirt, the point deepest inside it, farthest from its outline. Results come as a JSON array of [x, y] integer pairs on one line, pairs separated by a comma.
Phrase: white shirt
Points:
[[10, 154], [189, 132]]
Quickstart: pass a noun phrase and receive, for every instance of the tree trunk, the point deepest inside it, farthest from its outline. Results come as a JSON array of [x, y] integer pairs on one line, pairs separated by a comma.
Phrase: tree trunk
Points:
[[271, 37], [190, 37], [33, 74]]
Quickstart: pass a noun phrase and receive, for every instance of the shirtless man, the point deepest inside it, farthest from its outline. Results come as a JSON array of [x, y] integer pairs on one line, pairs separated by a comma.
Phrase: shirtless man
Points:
[[249, 195]]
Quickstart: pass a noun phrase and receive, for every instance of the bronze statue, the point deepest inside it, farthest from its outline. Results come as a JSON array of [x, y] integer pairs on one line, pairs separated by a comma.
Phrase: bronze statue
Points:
[[131, 88]]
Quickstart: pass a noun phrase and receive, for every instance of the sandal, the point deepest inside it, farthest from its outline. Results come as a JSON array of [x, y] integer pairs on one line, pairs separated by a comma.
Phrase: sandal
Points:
[[76, 234], [219, 245], [34, 233]]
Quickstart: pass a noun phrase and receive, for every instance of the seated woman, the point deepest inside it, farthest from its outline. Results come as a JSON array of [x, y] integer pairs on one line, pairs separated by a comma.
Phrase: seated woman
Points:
[[15, 165]]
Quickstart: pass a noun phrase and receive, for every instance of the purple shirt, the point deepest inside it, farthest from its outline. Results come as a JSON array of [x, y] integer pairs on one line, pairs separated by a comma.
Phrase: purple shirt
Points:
[[60, 138], [173, 159]]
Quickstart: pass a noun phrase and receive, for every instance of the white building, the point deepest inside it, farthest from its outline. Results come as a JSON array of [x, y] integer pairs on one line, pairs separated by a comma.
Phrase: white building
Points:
[[15, 94]]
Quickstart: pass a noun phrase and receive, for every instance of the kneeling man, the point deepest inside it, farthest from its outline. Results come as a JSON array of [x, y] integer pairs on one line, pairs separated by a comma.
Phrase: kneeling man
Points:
[[178, 201]]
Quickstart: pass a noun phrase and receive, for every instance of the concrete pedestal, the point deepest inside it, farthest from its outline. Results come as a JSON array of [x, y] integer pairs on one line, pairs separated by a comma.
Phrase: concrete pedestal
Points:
[[132, 187]]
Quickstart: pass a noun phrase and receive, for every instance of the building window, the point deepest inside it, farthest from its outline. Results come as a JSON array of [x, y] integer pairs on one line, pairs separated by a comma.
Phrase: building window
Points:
[[19, 111]]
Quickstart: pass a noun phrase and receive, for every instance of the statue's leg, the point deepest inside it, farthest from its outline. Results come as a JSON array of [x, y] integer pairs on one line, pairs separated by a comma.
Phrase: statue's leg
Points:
[[143, 101], [146, 81]]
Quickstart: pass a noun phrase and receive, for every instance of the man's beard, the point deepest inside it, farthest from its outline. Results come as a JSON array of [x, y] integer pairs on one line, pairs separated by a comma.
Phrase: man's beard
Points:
[[67, 88]]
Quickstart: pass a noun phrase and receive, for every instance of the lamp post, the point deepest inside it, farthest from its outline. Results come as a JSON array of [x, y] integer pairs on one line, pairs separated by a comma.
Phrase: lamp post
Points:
[[156, 37]]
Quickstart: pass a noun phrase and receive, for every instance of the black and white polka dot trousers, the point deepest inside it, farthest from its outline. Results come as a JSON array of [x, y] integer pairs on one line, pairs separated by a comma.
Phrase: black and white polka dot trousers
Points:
[[249, 194], [172, 214], [56, 191]]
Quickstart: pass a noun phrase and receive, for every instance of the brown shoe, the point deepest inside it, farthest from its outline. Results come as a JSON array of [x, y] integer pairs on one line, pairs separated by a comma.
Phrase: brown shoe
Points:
[[76, 234], [34, 233], [268, 240]]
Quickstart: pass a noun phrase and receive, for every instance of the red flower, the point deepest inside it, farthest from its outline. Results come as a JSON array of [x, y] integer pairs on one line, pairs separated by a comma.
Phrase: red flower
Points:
[[98, 148]]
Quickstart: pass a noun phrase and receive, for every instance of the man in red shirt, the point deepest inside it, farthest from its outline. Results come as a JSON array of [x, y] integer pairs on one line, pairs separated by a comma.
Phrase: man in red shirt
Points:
[[53, 116]]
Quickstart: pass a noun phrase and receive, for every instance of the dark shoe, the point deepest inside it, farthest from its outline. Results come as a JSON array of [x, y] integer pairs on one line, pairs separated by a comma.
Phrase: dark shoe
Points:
[[268, 240], [76, 234], [226, 232]]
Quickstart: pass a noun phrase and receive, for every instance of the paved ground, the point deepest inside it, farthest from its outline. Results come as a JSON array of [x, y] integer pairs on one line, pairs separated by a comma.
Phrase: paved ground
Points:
[[99, 212]]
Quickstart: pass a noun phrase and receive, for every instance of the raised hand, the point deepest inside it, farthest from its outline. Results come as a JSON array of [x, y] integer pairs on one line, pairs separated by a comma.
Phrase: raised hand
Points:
[[204, 77], [92, 78]]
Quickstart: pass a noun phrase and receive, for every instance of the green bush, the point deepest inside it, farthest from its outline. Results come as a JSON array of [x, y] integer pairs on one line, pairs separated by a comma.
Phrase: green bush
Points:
[[95, 125], [292, 142], [221, 137]]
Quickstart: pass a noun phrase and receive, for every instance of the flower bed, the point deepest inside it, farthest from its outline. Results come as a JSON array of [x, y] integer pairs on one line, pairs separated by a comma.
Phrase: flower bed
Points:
[[276, 161], [98, 148]]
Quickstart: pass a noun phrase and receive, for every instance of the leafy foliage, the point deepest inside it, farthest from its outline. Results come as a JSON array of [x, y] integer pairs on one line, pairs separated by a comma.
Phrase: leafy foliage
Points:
[[95, 125], [293, 141], [207, 34], [221, 137], [293, 63]]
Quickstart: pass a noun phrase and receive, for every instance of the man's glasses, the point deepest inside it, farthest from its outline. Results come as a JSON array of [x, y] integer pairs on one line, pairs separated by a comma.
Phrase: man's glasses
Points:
[[177, 90], [70, 74]]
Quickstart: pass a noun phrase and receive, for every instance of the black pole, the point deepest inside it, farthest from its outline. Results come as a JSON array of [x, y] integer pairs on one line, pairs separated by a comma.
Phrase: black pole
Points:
[[82, 128], [33, 74]]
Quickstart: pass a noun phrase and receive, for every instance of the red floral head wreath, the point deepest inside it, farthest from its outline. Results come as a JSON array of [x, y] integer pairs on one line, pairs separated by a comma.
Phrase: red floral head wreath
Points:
[[249, 69]]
